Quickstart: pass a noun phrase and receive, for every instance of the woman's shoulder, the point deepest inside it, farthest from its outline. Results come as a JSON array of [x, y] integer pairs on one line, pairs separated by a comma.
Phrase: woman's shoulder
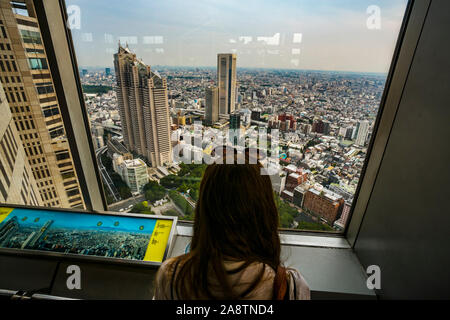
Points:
[[163, 278], [298, 287], [168, 267]]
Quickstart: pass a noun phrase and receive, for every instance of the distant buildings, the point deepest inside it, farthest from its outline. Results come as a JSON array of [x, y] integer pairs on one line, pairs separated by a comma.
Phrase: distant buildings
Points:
[[362, 131], [226, 80], [212, 105], [341, 223], [325, 204], [321, 126], [144, 108], [256, 115], [235, 126]]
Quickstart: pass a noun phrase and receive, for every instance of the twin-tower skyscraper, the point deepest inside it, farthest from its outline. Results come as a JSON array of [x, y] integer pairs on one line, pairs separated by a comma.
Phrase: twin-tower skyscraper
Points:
[[144, 108], [222, 99]]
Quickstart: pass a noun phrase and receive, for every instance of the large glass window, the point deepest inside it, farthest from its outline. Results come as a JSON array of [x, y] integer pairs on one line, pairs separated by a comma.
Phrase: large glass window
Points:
[[309, 74], [31, 36]]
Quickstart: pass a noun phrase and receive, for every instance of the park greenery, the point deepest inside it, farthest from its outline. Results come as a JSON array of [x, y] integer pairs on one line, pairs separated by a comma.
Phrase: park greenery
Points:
[[98, 89], [142, 207], [187, 179], [153, 191], [182, 204]]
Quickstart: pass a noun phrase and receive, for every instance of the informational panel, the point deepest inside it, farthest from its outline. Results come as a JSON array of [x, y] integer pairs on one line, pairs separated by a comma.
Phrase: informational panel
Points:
[[131, 237]]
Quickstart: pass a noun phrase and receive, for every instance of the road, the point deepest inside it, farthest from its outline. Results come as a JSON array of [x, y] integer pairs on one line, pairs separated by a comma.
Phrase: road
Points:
[[105, 176], [124, 204]]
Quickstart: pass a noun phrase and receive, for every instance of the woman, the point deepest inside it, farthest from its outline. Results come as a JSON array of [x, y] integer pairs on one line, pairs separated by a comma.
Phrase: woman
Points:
[[235, 248]]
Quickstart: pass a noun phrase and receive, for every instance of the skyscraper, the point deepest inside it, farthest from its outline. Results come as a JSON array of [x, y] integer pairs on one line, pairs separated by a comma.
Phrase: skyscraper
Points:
[[226, 79], [212, 105], [362, 131], [17, 184], [143, 107], [29, 89], [235, 127]]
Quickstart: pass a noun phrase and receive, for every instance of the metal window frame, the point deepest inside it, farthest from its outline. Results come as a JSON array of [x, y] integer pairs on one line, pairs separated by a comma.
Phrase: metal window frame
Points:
[[413, 20], [58, 44]]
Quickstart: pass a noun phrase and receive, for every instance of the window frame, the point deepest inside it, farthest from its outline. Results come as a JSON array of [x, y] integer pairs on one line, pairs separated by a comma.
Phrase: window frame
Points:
[[407, 40]]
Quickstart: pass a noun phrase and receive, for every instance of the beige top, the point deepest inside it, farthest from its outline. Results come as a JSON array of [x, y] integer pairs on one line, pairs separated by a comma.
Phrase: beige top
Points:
[[298, 288]]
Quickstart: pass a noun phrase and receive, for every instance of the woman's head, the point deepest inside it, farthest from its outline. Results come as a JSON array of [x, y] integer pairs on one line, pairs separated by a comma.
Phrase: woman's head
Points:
[[236, 214], [235, 219]]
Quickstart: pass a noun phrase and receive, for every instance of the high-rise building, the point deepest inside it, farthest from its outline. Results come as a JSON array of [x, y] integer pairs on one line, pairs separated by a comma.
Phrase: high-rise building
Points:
[[326, 204], [107, 71], [17, 184], [226, 80], [28, 85], [362, 129], [212, 105], [144, 108], [134, 173], [235, 127]]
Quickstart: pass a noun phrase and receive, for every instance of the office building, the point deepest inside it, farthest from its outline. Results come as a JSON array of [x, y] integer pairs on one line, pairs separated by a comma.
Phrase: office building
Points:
[[362, 131], [226, 80], [17, 184], [325, 204], [256, 115], [299, 196], [144, 108], [29, 88], [212, 105], [134, 173], [235, 127], [341, 223]]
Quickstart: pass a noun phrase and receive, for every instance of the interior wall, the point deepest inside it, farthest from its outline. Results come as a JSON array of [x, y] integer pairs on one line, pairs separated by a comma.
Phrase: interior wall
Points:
[[405, 230]]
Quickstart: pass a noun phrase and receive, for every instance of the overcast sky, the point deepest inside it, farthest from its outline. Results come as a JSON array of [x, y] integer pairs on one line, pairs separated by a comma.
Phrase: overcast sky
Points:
[[293, 34]]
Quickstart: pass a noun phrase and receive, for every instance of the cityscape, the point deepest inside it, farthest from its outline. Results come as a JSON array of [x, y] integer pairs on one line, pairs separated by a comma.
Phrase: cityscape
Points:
[[75, 233], [324, 119], [158, 108]]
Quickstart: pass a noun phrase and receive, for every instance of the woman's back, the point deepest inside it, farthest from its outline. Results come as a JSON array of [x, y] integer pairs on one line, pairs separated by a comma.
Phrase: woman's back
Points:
[[235, 246], [242, 282]]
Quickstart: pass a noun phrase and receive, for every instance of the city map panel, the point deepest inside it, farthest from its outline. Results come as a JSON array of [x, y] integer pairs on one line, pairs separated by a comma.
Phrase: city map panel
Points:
[[110, 236]]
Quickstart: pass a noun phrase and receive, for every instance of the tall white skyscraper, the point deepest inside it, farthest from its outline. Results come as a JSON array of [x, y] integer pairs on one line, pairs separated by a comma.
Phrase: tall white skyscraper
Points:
[[362, 132], [226, 80]]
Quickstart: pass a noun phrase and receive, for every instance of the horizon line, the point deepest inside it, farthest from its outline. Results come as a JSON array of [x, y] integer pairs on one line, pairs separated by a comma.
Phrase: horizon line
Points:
[[254, 68]]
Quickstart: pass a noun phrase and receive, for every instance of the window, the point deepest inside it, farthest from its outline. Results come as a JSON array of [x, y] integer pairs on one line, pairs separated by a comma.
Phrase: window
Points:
[[19, 8], [30, 36], [49, 111], [37, 63], [45, 88], [312, 79]]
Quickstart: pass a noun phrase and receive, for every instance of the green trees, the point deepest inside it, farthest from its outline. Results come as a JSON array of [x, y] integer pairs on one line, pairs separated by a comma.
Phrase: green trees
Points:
[[171, 212], [303, 225], [153, 191], [99, 89], [141, 208], [181, 202], [121, 186], [285, 211]]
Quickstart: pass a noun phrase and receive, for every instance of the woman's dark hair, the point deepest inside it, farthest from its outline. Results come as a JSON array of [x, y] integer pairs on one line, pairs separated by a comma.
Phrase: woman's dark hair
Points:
[[235, 219]]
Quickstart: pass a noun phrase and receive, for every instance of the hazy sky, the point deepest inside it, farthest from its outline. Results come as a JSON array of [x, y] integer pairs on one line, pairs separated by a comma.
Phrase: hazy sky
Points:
[[294, 34]]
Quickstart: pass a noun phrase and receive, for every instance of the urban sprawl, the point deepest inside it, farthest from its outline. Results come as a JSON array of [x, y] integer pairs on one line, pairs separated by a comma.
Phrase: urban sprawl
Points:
[[140, 114]]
